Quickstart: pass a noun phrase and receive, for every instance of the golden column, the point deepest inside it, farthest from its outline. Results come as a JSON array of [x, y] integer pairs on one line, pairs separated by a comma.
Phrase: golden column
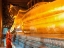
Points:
[[0, 21]]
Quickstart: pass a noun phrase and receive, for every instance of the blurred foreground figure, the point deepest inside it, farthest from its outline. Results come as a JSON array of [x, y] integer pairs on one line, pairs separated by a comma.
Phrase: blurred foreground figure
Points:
[[8, 40]]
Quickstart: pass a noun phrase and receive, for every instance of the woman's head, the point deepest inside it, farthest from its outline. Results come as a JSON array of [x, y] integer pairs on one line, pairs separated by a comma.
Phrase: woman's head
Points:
[[8, 30]]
